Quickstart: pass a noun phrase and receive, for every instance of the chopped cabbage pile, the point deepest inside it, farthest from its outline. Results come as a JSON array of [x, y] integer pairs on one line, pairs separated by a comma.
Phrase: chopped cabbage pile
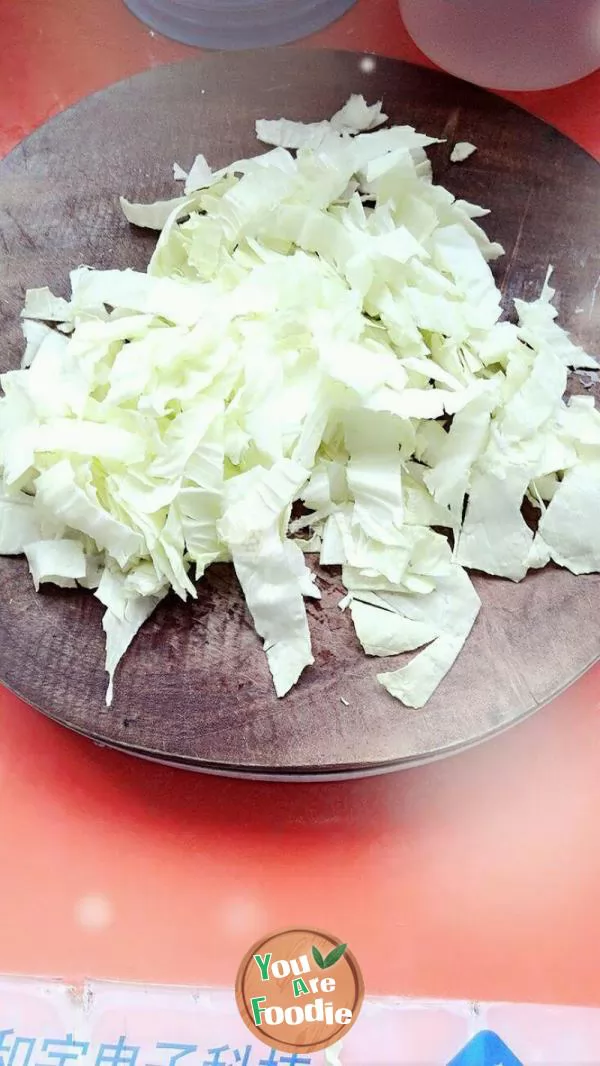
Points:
[[314, 362]]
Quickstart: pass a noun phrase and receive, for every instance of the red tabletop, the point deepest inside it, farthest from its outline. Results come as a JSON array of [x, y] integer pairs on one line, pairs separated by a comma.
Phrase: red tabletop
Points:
[[476, 877]]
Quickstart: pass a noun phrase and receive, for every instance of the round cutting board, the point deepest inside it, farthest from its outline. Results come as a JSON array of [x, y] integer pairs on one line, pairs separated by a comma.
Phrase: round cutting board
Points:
[[194, 689]]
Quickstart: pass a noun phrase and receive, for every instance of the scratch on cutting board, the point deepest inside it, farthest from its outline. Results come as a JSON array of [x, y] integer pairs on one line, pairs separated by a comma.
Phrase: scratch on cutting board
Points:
[[594, 295], [517, 242], [449, 131], [29, 242]]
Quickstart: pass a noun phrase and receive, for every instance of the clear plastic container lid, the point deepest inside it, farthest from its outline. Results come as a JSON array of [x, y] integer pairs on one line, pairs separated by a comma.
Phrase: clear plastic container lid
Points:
[[235, 24]]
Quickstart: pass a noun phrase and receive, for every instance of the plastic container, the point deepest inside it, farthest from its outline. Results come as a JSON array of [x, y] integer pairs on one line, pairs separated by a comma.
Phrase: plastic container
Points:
[[234, 24], [508, 44]]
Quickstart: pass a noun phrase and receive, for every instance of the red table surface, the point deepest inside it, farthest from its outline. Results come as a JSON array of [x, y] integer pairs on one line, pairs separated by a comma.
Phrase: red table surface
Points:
[[475, 877]]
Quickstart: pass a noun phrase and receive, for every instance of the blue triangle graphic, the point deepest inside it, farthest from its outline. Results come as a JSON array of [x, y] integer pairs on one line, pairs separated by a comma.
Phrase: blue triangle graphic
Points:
[[485, 1049]]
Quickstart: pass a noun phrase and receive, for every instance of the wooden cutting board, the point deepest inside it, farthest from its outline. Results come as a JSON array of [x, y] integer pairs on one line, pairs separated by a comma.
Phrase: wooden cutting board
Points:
[[195, 689]]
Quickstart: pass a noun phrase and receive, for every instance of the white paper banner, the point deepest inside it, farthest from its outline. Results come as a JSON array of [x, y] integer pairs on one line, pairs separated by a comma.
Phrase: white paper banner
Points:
[[45, 1023]]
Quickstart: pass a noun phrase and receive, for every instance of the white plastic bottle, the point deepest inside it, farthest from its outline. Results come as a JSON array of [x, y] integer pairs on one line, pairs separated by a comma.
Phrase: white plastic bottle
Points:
[[508, 44]]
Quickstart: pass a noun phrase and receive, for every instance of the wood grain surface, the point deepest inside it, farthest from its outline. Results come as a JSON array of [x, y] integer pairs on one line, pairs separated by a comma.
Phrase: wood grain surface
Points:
[[195, 688]]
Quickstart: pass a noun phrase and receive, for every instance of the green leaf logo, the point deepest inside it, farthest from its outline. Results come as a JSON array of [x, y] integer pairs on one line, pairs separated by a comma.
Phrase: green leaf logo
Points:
[[330, 960], [320, 961], [334, 955]]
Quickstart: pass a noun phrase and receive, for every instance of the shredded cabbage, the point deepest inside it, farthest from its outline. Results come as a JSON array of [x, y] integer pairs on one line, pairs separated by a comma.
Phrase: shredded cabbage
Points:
[[461, 151], [314, 362]]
